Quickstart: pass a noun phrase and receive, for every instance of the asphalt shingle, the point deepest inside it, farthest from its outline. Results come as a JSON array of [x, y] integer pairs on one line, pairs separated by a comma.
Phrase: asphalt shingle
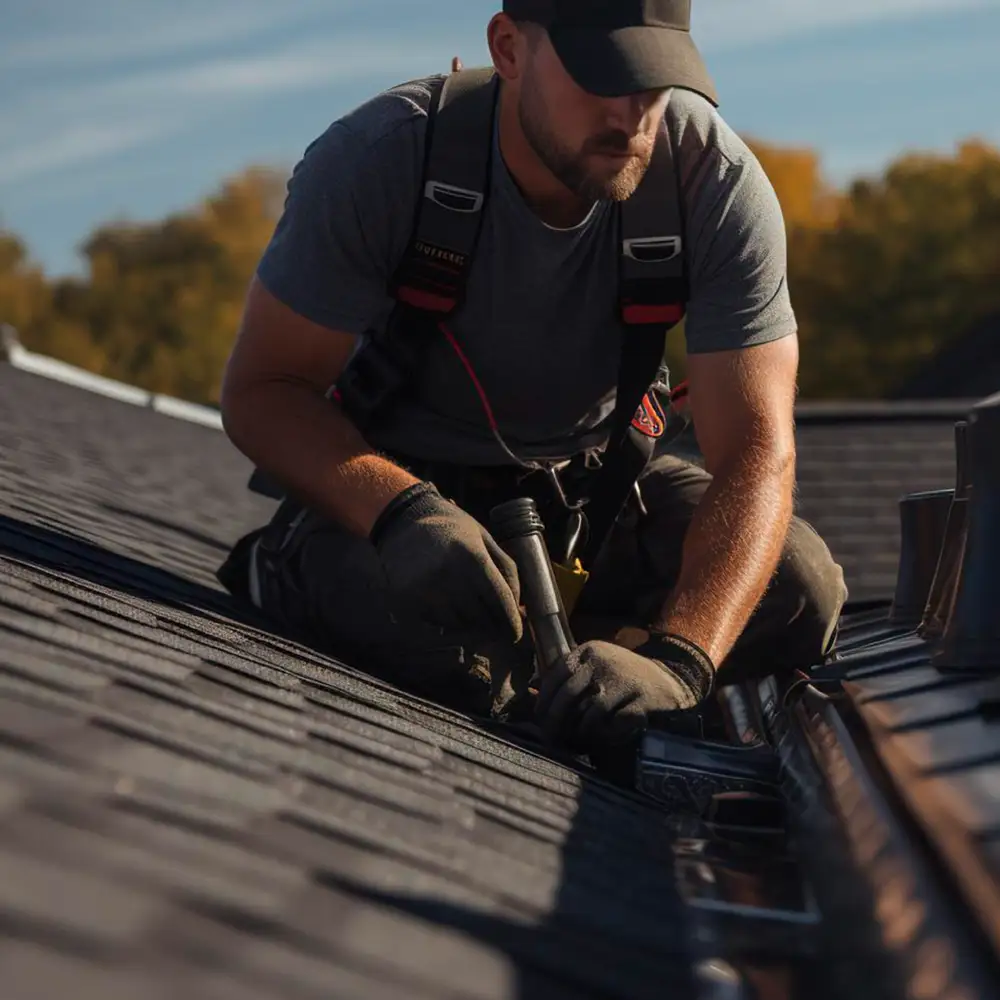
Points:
[[194, 806]]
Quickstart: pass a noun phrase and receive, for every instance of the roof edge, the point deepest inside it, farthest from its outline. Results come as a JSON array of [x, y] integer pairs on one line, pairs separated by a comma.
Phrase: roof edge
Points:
[[884, 411], [12, 351], [808, 413]]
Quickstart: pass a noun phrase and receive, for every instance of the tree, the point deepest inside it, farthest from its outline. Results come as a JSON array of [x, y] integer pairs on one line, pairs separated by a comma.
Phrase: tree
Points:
[[26, 303], [912, 260], [24, 295], [163, 300], [882, 275]]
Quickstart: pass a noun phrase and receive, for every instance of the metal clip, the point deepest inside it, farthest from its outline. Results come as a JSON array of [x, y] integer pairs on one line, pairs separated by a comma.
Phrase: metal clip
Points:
[[574, 531]]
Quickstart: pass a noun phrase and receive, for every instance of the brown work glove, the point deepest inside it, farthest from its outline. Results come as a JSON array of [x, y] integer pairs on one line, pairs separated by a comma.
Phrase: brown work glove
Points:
[[443, 567], [603, 695]]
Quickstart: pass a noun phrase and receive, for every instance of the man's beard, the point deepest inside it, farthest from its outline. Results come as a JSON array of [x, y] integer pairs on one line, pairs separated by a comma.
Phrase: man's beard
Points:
[[571, 167]]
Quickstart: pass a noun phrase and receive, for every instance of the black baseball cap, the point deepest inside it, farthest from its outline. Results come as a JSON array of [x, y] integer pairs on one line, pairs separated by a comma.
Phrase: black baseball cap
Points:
[[617, 47]]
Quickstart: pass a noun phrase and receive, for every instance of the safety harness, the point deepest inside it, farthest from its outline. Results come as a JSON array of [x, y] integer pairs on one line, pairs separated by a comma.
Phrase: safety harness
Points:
[[429, 285]]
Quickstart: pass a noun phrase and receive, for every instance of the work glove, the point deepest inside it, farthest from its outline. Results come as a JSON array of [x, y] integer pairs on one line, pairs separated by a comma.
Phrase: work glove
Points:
[[444, 569], [603, 695]]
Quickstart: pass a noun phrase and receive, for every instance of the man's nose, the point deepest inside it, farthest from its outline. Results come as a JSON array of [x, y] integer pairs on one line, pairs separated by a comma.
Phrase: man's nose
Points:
[[629, 111]]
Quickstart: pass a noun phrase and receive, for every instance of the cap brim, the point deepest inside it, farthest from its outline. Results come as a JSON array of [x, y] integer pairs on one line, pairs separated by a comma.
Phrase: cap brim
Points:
[[632, 60]]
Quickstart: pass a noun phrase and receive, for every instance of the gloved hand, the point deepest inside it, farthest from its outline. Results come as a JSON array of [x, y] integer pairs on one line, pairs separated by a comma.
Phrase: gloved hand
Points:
[[604, 695], [444, 568]]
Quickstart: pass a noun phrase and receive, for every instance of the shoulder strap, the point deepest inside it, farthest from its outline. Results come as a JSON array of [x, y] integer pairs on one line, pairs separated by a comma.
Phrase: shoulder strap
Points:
[[654, 287], [430, 279], [653, 297], [456, 182]]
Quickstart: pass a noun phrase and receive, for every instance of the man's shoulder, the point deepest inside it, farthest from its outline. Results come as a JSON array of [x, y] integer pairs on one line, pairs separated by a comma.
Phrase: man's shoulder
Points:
[[375, 149], [399, 111], [698, 127]]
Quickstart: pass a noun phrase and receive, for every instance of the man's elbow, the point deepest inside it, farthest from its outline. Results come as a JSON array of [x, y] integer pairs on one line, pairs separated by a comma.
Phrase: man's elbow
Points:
[[771, 457], [237, 409], [775, 465], [780, 457]]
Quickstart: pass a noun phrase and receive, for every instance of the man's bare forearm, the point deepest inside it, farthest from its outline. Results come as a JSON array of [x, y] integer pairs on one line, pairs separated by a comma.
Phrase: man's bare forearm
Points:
[[731, 551], [291, 432]]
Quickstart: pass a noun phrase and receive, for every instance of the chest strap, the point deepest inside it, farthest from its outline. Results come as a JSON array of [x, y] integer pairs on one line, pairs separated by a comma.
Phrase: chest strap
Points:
[[458, 154], [654, 289]]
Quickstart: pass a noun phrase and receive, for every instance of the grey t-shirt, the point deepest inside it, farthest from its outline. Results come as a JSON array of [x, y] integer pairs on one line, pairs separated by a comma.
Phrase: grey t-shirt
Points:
[[539, 324]]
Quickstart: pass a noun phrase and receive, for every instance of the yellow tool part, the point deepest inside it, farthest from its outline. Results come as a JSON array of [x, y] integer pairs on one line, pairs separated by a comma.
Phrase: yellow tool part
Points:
[[570, 580]]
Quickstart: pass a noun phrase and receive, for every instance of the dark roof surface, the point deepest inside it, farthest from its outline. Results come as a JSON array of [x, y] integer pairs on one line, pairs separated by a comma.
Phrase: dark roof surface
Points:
[[854, 466], [856, 461], [192, 806], [936, 734]]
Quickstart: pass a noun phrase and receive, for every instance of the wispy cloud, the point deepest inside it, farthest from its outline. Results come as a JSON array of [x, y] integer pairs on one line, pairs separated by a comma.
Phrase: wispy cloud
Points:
[[143, 29], [139, 105], [76, 145], [726, 24], [57, 128]]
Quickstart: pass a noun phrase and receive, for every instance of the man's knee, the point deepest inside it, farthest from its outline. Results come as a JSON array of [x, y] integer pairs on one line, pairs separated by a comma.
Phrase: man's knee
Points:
[[673, 486], [795, 624], [672, 489], [813, 583]]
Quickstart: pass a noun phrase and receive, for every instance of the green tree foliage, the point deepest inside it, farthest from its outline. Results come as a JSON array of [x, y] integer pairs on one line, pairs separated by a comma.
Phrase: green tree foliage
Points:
[[882, 275]]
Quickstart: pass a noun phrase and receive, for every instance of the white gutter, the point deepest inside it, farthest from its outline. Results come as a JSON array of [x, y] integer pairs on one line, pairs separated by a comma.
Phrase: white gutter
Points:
[[17, 356]]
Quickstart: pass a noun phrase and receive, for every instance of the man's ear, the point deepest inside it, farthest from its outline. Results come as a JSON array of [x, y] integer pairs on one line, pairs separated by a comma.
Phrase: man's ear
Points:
[[507, 47], [456, 65]]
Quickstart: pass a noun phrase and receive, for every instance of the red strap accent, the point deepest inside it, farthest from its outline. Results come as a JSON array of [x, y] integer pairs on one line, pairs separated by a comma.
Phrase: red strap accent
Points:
[[467, 365], [678, 395], [638, 314], [425, 300]]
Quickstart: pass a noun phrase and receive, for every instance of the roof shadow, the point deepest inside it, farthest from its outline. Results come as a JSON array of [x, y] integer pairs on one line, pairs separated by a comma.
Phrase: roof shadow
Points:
[[614, 925], [72, 555]]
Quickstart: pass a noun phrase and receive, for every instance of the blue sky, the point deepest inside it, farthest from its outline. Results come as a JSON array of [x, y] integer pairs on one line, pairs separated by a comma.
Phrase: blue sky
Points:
[[135, 108]]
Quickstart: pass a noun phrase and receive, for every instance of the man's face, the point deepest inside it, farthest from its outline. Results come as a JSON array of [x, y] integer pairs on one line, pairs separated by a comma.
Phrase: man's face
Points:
[[598, 147]]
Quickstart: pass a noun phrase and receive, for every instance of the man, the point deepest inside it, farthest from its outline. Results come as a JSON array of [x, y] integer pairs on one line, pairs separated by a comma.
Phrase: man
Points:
[[375, 562]]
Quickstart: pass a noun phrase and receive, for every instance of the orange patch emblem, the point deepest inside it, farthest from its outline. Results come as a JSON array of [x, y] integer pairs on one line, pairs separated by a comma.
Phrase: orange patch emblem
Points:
[[649, 418]]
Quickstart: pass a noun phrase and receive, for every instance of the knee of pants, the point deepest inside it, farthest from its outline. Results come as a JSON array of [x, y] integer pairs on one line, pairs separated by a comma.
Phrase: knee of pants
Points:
[[814, 580]]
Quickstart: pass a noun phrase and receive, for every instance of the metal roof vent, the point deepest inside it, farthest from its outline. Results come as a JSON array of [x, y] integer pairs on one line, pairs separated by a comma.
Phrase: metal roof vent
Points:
[[923, 518], [942, 592], [971, 638]]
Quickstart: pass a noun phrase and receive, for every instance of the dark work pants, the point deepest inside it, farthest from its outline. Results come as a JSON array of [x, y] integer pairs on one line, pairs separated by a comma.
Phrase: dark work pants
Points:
[[326, 584]]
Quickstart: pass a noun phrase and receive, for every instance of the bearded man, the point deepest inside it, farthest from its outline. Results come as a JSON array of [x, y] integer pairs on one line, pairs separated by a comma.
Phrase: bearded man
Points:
[[382, 550]]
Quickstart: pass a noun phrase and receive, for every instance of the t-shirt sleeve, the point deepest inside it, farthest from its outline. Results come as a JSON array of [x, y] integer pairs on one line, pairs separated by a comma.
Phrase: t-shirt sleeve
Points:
[[737, 240], [345, 225]]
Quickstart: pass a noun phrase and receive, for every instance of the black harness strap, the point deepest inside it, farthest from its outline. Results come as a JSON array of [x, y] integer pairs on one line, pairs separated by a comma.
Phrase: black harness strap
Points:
[[653, 295], [429, 285], [456, 183], [430, 280]]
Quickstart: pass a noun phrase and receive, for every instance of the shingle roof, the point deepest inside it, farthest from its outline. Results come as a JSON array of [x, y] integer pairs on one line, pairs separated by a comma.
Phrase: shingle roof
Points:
[[935, 735], [855, 463], [193, 806]]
